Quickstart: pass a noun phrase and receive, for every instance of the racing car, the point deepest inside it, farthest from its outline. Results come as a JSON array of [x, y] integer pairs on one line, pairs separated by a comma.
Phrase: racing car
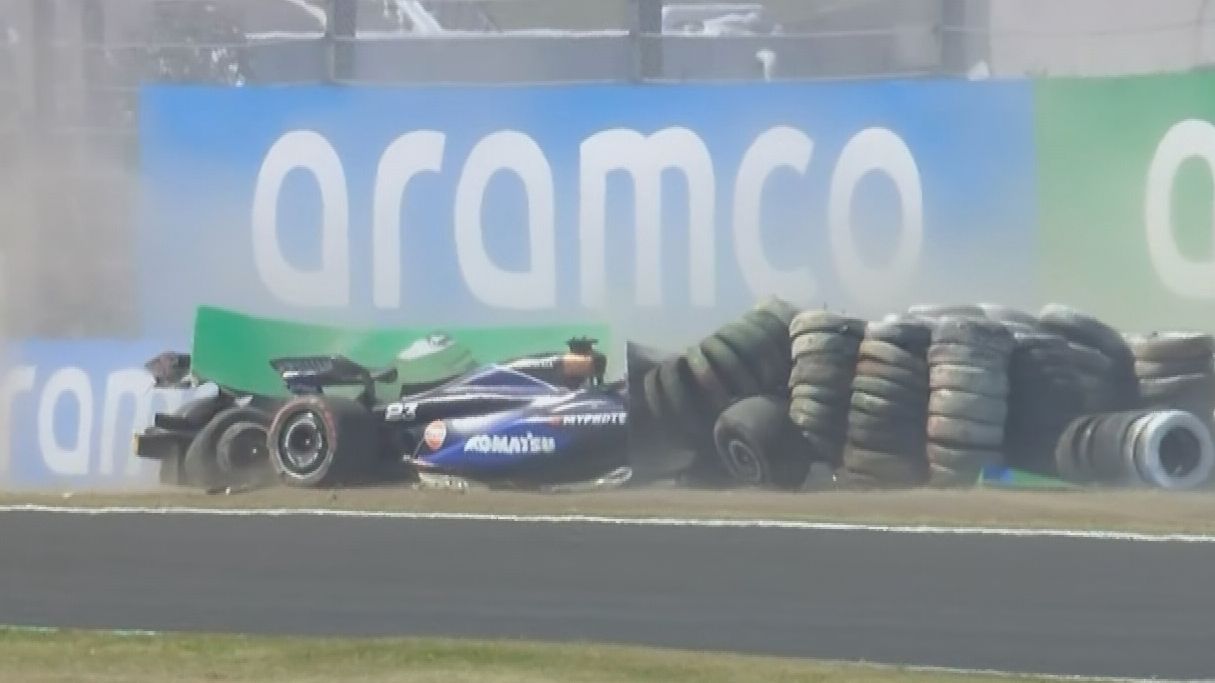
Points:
[[533, 420]]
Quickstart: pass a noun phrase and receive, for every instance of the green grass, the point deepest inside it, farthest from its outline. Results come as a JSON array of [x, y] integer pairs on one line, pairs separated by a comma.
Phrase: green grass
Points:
[[61, 656]]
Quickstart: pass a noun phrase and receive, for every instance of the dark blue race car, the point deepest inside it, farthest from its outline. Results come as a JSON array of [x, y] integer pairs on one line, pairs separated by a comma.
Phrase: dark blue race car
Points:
[[537, 419]]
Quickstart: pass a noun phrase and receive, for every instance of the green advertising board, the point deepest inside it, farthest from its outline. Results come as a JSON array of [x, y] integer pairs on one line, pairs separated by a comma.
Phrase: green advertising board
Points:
[[1125, 198], [234, 350]]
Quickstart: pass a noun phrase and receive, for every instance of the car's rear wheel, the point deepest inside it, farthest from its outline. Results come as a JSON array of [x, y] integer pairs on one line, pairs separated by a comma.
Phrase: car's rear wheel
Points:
[[202, 465], [318, 441]]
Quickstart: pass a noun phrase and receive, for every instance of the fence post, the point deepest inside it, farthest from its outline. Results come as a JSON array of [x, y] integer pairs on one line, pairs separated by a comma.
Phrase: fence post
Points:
[[645, 30], [340, 27]]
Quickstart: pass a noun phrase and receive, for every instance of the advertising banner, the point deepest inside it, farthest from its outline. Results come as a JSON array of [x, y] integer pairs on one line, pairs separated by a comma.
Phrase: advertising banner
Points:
[[68, 411], [661, 210], [1125, 182]]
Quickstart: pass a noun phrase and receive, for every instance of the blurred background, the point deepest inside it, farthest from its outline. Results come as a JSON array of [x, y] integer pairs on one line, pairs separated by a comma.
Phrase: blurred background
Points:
[[69, 70]]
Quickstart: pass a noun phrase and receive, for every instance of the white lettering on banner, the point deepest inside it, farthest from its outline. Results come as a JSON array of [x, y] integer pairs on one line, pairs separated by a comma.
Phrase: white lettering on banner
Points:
[[780, 147], [329, 285], [535, 288], [529, 443], [73, 460], [409, 155], [108, 434], [17, 381], [645, 159], [128, 384], [1185, 140], [880, 150]]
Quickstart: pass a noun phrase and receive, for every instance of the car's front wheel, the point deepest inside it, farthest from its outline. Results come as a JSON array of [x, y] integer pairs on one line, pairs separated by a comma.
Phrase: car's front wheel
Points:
[[319, 441]]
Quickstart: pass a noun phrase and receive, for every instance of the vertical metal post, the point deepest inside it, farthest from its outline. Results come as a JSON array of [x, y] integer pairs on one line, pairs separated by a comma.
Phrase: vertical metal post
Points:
[[340, 27], [645, 30]]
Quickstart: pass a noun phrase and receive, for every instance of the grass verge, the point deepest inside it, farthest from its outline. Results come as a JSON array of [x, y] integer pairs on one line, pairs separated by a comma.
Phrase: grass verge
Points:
[[1141, 511], [59, 656]]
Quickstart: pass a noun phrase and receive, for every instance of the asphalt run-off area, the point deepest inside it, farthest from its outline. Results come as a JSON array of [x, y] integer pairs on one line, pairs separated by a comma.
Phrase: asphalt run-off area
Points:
[[1077, 603]]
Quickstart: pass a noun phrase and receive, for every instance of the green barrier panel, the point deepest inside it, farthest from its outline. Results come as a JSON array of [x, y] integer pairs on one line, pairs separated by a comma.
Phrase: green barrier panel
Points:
[[233, 349], [1127, 243]]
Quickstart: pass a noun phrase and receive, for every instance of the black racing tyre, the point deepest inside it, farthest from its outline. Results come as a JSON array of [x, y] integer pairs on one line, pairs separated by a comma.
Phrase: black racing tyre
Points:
[[887, 434], [242, 454], [968, 406], [1007, 314], [809, 370], [1172, 346], [953, 431], [904, 334], [770, 323], [731, 370], [683, 403], [322, 441], [1090, 360], [891, 391], [938, 311], [977, 332], [716, 394], [769, 362], [948, 353], [200, 464], [879, 469], [823, 343], [758, 445], [1086, 330], [892, 355], [885, 408], [965, 378], [912, 379], [1064, 462], [825, 321], [1159, 369]]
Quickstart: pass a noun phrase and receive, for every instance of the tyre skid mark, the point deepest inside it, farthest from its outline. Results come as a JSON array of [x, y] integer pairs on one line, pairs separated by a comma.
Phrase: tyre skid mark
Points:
[[678, 522]]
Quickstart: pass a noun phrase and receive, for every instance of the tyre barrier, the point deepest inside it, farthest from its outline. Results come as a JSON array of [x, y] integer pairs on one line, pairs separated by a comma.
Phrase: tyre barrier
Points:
[[1167, 449], [749, 356], [969, 389], [1046, 394], [888, 407], [823, 351], [1101, 353], [1176, 370]]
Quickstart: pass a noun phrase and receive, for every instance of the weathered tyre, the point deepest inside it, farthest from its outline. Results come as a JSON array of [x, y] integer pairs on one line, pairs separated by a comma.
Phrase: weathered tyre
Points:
[[981, 333], [322, 441], [947, 353], [823, 343], [866, 468], [890, 354], [968, 406], [1172, 346], [880, 407], [905, 334], [965, 378], [731, 370], [912, 378], [716, 394], [825, 321], [953, 431], [1174, 450], [1009, 315], [891, 391], [827, 371], [765, 356], [938, 311], [758, 446], [1159, 369], [201, 465]]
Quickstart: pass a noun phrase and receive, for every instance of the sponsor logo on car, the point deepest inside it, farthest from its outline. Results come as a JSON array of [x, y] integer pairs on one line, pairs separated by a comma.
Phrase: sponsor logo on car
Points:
[[611, 418], [497, 443], [435, 434]]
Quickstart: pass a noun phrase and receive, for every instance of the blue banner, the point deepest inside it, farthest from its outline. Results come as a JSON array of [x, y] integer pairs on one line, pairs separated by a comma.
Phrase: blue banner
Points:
[[657, 209], [69, 409]]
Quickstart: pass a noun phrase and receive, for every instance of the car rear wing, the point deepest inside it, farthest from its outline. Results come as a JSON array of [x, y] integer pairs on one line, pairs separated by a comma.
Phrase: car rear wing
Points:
[[311, 374]]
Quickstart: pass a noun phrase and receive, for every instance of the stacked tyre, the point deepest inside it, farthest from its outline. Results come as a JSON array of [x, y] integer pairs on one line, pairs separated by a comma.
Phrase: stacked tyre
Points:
[[968, 404], [1168, 449], [687, 392], [1176, 370], [823, 351], [1045, 395], [888, 407], [1102, 356]]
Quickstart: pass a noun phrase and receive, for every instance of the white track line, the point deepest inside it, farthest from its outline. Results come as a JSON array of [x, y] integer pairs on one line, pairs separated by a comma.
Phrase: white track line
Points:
[[691, 522]]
